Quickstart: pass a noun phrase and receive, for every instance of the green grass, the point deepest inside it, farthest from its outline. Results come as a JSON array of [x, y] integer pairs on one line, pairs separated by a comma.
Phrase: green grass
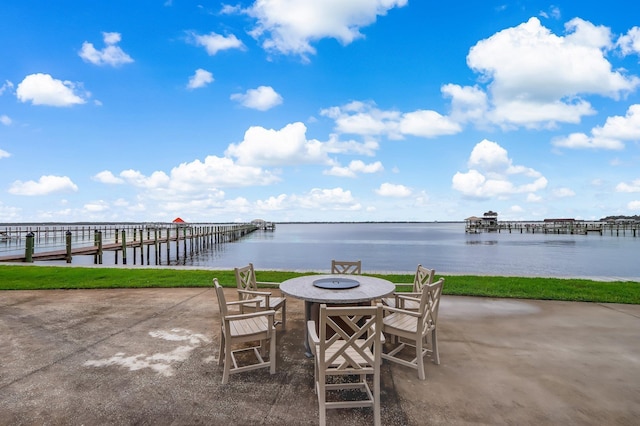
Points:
[[31, 277]]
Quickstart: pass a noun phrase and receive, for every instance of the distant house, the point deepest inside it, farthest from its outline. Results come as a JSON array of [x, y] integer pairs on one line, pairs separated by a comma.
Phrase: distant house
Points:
[[263, 224], [178, 220], [488, 222]]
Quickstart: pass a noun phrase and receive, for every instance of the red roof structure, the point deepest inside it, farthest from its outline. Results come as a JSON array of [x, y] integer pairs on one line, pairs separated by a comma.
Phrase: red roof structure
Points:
[[178, 220]]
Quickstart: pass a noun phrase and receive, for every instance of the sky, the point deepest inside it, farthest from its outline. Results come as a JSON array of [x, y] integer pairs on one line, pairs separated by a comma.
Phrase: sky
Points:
[[305, 110]]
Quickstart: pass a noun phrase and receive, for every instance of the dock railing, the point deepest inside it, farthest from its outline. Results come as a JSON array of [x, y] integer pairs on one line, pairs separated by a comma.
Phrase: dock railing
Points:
[[162, 242], [560, 227]]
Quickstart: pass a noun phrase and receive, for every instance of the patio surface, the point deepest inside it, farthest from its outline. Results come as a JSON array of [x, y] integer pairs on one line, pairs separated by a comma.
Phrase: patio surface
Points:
[[148, 357]]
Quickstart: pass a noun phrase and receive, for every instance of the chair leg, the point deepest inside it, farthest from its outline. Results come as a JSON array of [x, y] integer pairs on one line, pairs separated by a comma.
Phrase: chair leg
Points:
[[227, 363], [434, 346], [376, 403], [322, 403], [284, 314], [221, 350], [420, 358], [272, 353]]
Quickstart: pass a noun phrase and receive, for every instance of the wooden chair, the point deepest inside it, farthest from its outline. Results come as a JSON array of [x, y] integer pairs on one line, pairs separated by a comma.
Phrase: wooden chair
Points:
[[416, 329], [349, 344], [248, 290], [422, 277], [346, 267], [243, 328]]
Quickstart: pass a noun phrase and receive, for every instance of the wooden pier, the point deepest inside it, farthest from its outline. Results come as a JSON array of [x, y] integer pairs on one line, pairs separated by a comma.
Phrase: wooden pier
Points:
[[161, 242], [574, 227]]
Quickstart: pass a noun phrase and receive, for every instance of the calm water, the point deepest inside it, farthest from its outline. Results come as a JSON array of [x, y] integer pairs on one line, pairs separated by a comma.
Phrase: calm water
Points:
[[399, 247]]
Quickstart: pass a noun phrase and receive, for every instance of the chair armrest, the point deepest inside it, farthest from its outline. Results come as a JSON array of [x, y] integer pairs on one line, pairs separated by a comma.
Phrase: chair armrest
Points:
[[401, 311], [408, 294], [255, 293], [382, 339], [270, 313], [255, 301], [265, 294], [313, 335], [403, 285]]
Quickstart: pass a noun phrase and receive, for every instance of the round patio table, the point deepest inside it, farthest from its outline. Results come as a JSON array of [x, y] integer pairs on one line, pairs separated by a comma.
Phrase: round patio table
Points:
[[334, 289]]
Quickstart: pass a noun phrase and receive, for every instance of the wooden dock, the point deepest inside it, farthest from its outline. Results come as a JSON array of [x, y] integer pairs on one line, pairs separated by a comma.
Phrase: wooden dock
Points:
[[560, 227], [161, 242]]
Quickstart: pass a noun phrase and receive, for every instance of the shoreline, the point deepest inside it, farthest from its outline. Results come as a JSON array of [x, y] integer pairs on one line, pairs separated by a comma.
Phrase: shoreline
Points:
[[323, 271]]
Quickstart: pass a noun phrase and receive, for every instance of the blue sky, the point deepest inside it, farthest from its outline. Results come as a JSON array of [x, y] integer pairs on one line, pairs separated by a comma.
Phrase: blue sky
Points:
[[301, 110]]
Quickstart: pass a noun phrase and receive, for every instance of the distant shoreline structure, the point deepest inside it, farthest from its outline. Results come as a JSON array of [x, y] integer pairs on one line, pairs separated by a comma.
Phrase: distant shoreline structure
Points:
[[489, 223]]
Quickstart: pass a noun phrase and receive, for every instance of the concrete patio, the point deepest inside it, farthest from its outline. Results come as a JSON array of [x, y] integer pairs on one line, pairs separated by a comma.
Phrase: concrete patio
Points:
[[148, 356]]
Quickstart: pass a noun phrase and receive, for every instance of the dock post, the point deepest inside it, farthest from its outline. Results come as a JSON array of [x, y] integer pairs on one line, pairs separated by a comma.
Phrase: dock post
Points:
[[28, 249], [135, 232], [155, 245], [184, 242], [124, 247], [99, 247], [168, 245], [68, 244], [95, 243]]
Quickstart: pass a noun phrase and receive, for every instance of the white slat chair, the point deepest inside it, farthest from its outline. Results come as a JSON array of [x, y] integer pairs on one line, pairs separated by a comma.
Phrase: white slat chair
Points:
[[248, 290], [414, 329], [422, 277], [242, 328], [348, 344], [346, 267]]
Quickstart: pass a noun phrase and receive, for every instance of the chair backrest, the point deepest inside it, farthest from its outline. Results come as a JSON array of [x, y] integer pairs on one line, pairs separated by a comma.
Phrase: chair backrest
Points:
[[346, 267], [246, 280], [422, 277], [353, 334], [430, 304], [222, 302]]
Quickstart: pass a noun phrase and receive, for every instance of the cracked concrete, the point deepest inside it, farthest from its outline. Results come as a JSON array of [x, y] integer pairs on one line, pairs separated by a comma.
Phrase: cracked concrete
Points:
[[148, 356]]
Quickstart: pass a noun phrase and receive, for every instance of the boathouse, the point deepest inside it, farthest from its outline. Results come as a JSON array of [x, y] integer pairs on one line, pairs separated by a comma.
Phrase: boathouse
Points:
[[488, 222]]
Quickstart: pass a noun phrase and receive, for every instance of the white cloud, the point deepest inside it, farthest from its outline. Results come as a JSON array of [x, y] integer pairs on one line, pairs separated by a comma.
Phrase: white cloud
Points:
[[633, 186], [273, 203], [215, 43], [262, 98], [427, 124], [392, 190], [196, 184], [42, 89], [7, 85], [288, 145], [536, 77], [290, 26], [582, 140], [45, 185], [327, 199], [96, 206], [467, 103], [365, 119], [492, 174], [4, 119], [630, 42], [336, 146], [563, 193], [106, 176], [200, 79], [355, 167], [4, 154], [612, 135], [554, 12], [634, 206], [111, 54]]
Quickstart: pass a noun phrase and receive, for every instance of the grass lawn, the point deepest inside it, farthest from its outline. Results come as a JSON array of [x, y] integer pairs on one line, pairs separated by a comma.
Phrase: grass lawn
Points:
[[31, 277]]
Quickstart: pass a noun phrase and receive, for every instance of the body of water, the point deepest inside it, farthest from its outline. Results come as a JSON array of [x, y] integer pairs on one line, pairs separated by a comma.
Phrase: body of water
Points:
[[400, 247], [391, 247]]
